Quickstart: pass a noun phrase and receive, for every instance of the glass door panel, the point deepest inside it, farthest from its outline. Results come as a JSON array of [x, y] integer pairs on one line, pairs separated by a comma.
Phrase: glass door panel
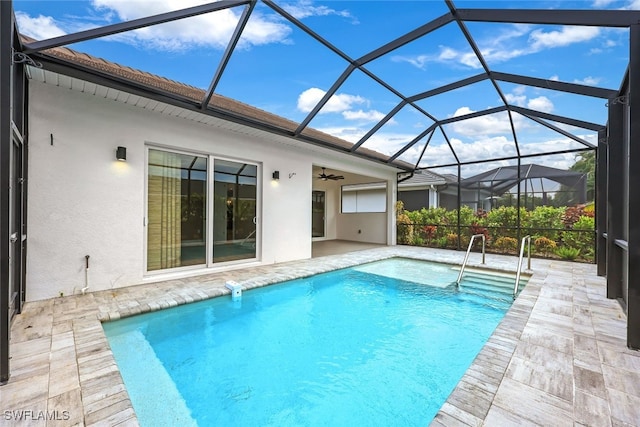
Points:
[[317, 214], [176, 210], [234, 210]]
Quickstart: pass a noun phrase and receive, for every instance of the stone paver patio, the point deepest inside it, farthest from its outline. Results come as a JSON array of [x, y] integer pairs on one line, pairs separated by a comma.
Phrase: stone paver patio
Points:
[[558, 358]]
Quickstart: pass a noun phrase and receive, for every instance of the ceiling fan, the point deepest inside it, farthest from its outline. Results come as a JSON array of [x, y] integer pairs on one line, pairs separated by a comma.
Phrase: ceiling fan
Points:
[[323, 176]]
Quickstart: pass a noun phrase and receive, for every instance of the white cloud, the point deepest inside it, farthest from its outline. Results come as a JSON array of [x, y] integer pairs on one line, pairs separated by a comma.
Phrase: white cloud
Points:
[[305, 9], [447, 53], [506, 45], [390, 143], [555, 78], [633, 5], [519, 100], [348, 133], [336, 104], [602, 3], [589, 80], [491, 124], [565, 36], [210, 30], [40, 27], [541, 103], [517, 96], [369, 116], [339, 103]]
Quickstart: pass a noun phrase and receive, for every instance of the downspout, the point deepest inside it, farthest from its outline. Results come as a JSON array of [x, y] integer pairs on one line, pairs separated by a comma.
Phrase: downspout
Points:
[[86, 274]]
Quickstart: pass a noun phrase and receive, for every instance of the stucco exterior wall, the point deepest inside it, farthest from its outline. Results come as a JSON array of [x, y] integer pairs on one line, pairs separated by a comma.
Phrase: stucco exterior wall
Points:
[[82, 201]]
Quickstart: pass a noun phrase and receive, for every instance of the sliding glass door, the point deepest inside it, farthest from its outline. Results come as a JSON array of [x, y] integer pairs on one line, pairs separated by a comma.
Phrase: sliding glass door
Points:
[[185, 227], [176, 210], [234, 211]]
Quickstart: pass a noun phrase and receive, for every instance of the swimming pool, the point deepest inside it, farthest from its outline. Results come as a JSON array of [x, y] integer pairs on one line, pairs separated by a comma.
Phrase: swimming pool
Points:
[[359, 346]]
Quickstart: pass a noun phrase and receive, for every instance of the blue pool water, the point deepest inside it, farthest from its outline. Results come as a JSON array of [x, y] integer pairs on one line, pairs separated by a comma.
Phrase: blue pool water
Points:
[[352, 347]]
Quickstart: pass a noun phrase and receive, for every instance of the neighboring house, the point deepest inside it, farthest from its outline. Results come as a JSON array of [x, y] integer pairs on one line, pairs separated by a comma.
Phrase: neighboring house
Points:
[[196, 193], [426, 189]]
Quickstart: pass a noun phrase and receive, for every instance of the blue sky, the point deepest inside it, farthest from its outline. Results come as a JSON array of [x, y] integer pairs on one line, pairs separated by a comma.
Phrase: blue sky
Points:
[[280, 69]]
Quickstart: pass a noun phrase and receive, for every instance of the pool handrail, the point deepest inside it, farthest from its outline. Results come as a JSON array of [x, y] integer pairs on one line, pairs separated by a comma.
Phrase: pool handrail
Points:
[[466, 257], [524, 239]]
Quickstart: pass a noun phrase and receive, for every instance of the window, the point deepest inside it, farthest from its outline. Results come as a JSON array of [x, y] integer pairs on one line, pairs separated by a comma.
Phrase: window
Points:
[[362, 198]]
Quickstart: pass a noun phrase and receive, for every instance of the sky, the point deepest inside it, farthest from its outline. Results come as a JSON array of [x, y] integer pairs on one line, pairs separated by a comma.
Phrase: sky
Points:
[[279, 68]]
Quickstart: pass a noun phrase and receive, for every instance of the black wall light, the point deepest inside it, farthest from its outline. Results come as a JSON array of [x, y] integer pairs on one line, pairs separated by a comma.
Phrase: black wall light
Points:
[[121, 154], [276, 175]]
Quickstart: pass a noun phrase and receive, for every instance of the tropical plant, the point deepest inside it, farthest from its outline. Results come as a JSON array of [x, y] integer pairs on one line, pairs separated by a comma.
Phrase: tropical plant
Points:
[[568, 253], [404, 225], [544, 219], [429, 232], [506, 244], [544, 245], [581, 237], [503, 221]]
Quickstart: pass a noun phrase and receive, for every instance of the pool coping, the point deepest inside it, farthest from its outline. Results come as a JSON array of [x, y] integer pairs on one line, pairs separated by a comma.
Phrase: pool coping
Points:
[[61, 360]]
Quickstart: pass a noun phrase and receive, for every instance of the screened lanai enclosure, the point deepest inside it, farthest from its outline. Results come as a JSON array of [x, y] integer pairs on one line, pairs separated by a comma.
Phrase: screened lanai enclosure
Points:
[[486, 118]]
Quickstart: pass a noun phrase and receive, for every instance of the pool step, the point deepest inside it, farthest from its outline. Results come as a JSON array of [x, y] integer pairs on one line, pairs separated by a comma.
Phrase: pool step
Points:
[[492, 280], [499, 300], [489, 288]]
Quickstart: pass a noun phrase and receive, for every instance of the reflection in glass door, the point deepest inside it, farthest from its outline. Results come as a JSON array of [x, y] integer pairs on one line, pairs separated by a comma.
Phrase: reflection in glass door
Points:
[[317, 214], [234, 210], [176, 210]]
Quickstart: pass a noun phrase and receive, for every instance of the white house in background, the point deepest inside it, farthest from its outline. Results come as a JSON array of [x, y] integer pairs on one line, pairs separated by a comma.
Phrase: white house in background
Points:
[[427, 189], [196, 193]]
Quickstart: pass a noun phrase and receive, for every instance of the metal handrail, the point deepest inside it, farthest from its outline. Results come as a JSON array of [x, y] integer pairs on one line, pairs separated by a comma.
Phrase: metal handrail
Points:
[[525, 238], [466, 257]]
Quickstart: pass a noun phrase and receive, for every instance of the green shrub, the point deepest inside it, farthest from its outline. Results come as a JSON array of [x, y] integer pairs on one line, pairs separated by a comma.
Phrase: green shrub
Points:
[[506, 244], [544, 245], [567, 253], [582, 238], [546, 217], [502, 221], [417, 241], [404, 227]]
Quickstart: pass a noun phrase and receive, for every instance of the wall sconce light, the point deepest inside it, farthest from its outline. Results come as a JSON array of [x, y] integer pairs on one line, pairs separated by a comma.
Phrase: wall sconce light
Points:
[[276, 175], [121, 154]]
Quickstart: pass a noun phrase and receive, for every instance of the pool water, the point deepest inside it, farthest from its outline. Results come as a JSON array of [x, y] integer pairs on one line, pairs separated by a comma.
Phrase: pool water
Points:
[[352, 347]]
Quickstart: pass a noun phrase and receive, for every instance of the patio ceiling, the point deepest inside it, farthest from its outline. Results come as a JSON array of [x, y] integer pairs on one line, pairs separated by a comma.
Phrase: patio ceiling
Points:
[[418, 150]]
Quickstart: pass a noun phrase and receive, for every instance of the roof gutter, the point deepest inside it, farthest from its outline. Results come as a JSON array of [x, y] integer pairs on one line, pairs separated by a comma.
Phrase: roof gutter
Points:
[[405, 178]]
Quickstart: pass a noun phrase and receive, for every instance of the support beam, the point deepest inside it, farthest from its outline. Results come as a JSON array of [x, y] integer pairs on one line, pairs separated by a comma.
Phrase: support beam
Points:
[[135, 24], [235, 38], [601, 203], [633, 290], [555, 85], [6, 41], [615, 199], [592, 18]]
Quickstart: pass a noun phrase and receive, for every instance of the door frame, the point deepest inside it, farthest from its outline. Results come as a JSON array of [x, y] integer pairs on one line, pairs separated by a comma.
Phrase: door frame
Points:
[[17, 236], [324, 215]]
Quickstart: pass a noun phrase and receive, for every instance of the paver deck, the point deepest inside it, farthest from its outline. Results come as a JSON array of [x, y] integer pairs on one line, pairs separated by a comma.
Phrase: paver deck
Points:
[[558, 358]]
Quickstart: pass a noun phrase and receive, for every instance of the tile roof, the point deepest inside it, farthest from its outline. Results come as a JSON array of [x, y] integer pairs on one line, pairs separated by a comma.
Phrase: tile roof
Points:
[[193, 94]]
